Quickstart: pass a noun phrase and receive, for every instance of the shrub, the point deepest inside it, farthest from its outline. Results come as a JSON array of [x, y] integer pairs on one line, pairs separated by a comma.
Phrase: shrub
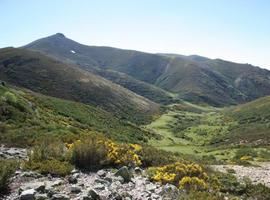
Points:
[[90, 154], [96, 152], [49, 157], [258, 191], [151, 156], [192, 183], [123, 154], [201, 195], [52, 166], [174, 173], [229, 184], [245, 151], [7, 169]]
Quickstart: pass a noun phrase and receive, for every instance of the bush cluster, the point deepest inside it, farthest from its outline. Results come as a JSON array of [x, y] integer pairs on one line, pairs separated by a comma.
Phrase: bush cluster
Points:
[[95, 152], [49, 157], [7, 169], [184, 175]]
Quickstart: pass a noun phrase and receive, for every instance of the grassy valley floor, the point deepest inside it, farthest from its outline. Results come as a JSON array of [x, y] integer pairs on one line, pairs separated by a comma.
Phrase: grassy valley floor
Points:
[[198, 131]]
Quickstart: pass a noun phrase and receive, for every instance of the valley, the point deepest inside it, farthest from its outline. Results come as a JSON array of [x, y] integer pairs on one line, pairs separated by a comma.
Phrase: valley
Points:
[[97, 120]]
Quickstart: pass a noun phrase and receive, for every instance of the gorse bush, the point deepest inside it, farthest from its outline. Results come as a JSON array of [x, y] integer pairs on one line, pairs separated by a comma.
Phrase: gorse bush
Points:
[[123, 154], [7, 169], [201, 195], [192, 183], [95, 152], [180, 174]]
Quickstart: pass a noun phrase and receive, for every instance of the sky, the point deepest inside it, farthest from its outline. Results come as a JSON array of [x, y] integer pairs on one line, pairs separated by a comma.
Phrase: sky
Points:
[[235, 30]]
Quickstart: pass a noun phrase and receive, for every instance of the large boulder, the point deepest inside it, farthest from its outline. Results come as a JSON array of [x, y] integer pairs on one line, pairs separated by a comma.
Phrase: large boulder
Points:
[[75, 189], [93, 194], [124, 173], [60, 197], [28, 194]]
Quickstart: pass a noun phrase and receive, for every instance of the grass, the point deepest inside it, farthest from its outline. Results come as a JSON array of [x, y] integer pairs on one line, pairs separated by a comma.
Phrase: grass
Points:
[[213, 132], [26, 117]]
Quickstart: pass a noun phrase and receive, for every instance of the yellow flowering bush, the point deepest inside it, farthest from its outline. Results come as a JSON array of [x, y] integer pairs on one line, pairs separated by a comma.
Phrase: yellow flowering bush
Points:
[[123, 154], [174, 173], [192, 183], [95, 152]]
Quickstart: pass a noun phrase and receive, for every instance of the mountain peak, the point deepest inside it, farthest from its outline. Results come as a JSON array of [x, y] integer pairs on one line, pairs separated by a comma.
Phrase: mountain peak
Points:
[[60, 35]]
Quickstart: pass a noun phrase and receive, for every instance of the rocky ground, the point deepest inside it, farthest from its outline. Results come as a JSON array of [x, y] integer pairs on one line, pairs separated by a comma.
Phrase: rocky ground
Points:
[[17, 153], [258, 174], [104, 184]]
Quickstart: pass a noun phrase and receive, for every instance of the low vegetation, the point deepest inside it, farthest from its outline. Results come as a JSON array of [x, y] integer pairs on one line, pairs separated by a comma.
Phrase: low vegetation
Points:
[[7, 169], [27, 117]]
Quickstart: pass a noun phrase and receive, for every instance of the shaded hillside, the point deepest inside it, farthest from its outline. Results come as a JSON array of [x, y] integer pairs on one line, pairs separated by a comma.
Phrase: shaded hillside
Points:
[[194, 78], [42, 74], [26, 116], [144, 89]]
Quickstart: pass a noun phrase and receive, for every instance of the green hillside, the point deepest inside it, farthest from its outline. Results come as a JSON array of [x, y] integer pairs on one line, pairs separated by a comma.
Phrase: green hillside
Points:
[[194, 78], [42, 74], [144, 89], [25, 117], [253, 123]]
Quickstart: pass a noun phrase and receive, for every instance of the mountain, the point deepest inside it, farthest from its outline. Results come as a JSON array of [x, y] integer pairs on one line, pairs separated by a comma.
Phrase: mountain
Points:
[[193, 78], [27, 116], [48, 76]]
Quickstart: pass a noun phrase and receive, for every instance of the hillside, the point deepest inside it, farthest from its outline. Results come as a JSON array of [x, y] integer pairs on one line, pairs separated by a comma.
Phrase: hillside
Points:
[[193, 78], [42, 74], [253, 123], [144, 89], [25, 117]]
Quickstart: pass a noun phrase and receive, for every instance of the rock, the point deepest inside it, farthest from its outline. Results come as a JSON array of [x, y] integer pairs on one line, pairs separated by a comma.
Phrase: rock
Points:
[[76, 175], [74, 171], [86, 197], [124, 173], [138, 170], [31, 174], [41, 196], [38, 186], [99, 186], [101, 173], [60, 197], [109, 179], [151, 187], [57, 183], [28, 194], [93, 194], [118, 197], [101, 181], [75, 189], [72, 179], [170, 191]]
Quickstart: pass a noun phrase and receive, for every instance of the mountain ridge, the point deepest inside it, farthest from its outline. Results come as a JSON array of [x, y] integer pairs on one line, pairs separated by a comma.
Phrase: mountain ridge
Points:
[[193, 78]]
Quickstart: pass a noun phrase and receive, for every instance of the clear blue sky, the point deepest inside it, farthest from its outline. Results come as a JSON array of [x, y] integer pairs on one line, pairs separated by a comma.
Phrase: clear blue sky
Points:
[[236, 30]]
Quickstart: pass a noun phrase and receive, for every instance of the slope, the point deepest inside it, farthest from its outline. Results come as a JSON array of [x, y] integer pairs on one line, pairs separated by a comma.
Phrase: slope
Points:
[[42, 74], [26, 117]]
